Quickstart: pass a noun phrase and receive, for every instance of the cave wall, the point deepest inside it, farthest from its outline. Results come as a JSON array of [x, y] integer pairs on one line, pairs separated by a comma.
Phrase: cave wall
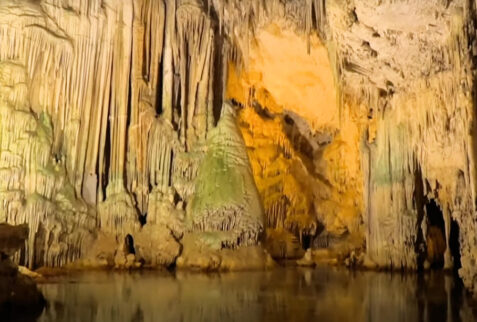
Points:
[[106, 108], [304, 149], [405, 77], [412, 67]]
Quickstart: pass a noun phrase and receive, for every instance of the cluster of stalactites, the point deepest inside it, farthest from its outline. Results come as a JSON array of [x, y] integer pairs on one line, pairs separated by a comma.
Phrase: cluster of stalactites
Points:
[[128, 87], [239, 230], [420, 139], [193, 56], [179, 37], [106, 76], [36, 190], [239, 20], [148, 47]]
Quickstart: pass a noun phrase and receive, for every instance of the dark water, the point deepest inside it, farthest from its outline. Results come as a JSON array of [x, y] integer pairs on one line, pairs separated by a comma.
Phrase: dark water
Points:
[[285, 294]]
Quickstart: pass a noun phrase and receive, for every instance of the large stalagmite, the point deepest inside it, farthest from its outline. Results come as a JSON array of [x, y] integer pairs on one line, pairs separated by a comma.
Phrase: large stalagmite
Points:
[[225, 197], [357, 118]]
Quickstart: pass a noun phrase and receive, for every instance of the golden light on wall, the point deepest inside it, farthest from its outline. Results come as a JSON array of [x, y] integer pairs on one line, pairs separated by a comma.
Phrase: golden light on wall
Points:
[[304, 154]]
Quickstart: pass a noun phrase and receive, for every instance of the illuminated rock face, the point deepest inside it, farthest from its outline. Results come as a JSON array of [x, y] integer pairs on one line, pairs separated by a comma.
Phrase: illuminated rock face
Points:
[[357, 120], [416, 86], [404, 122], [106, 109], [305, 159]]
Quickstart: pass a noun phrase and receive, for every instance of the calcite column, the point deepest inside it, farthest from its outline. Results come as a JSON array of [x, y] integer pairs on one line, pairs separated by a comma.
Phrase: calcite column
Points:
[[148, 36], [168, 65], [118, 213], [120, 93], [195, 39]]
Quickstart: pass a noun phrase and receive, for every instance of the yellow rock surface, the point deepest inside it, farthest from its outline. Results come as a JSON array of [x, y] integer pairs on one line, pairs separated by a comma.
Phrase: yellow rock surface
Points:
[[299, 187]]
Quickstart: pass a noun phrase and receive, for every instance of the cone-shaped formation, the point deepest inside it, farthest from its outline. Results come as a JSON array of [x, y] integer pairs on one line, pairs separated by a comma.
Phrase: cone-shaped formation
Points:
[[226, 198]]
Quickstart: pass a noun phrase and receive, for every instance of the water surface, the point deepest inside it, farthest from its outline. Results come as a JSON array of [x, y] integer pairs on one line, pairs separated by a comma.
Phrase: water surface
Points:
[[284, 294]]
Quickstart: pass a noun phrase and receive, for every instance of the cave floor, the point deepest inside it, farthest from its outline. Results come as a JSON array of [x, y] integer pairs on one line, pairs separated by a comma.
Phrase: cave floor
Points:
[[283, 294]]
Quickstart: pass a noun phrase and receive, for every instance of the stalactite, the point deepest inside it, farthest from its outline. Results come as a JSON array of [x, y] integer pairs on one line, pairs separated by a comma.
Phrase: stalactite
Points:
[[193, 56], [163, 144], [46, 198], [97, 73], [168, 67], [148, 30]]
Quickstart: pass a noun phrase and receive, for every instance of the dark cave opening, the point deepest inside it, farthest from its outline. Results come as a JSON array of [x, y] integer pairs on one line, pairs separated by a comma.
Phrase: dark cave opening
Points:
[[143, 219], [106, 161], [419, 201], [454, 244], [129, 244], [219, 76], [435, 239], [306, 240]]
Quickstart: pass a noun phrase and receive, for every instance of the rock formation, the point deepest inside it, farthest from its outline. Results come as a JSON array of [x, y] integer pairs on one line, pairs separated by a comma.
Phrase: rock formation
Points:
[[19, 296], [225, 197], [355, 119]]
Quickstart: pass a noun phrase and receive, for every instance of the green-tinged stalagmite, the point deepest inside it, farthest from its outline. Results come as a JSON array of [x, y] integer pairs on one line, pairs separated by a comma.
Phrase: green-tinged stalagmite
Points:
[[226, 200]]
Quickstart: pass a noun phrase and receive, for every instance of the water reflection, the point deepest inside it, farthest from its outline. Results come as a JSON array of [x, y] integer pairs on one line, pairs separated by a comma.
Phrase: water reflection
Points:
[[286, 294]]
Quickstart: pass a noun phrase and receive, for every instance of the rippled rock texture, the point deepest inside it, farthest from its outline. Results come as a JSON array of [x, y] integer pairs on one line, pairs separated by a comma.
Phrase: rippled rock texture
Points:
[[354, 118]]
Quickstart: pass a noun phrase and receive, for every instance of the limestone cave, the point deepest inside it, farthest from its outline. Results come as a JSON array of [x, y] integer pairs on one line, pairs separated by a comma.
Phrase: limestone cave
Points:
[[238, 160]]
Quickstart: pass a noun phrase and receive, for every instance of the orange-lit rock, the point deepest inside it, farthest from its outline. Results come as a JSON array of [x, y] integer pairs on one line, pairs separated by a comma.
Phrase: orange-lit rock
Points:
[[304, 149]]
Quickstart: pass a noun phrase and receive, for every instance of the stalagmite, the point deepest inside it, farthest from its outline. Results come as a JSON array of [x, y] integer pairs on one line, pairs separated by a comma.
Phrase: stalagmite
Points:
[[235, 207]]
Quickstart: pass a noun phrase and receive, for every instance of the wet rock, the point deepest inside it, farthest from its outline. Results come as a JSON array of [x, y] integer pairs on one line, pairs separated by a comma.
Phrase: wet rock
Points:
[[12, 238], [19, 296], [200, 252], [156, 246], [307, 259]]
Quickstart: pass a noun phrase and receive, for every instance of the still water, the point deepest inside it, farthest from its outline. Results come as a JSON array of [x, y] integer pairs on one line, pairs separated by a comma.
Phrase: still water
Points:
[[284, 294]]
